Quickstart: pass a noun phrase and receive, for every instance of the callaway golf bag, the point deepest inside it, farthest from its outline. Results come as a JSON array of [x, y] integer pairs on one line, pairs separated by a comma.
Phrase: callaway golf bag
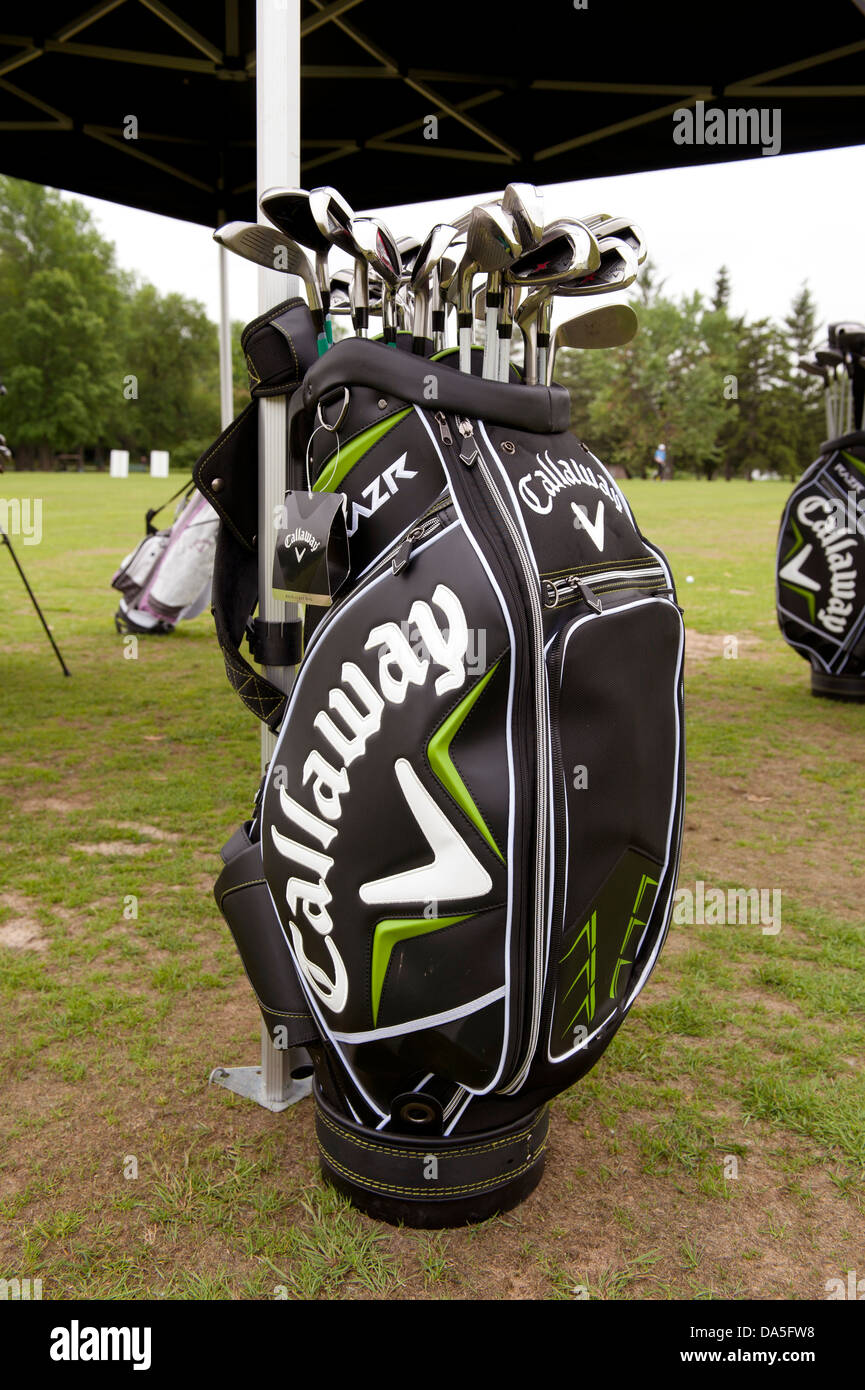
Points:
[[167, 577], [820, 583], [460, 866]]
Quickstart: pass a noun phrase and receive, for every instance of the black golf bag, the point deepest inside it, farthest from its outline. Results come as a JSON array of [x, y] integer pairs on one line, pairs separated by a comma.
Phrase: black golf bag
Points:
[[166, 578], [460, 867], [820, 582]]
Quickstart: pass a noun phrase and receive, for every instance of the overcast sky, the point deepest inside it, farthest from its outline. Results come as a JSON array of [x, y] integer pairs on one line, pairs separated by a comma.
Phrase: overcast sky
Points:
[[774, 222]]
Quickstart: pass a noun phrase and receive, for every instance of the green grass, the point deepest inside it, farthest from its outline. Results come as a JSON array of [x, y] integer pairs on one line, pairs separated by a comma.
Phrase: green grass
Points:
[[744, 1053]]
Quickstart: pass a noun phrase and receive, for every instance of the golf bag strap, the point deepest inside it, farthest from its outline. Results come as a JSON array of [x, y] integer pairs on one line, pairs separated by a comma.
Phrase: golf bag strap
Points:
[[234, 597], [279, 347], [150, 529], [227, 475], [275, 644], [243, 899]]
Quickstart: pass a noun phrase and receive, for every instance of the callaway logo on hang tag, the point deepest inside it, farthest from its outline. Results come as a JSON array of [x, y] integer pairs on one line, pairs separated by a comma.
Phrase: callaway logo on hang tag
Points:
[[311, 559]]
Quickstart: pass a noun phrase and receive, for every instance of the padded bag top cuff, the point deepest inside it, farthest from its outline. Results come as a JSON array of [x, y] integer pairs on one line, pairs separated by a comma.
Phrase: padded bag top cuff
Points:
[[359, 362]]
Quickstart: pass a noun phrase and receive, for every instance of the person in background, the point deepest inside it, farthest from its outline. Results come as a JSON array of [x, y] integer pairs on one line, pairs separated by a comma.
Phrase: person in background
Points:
[[661, 461]]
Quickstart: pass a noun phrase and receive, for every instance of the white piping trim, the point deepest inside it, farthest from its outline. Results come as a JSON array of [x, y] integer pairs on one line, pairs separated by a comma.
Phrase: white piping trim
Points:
[[418, 1025]]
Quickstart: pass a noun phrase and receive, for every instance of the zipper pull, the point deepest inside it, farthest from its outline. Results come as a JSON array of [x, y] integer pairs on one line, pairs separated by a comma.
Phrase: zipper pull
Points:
[[469, 451], [402, 555], [590, 596], [441, 421]]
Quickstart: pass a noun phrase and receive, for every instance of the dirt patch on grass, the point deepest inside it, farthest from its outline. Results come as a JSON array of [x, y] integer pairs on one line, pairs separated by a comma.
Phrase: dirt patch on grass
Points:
[[704, 646], [22, 931], [109, 847], [56, 805], [744, 837], [152, 832]]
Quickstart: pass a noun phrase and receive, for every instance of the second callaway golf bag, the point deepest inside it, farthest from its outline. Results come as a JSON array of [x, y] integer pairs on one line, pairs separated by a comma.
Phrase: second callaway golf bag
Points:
[[820, 570], [167, 577], [460, 866]]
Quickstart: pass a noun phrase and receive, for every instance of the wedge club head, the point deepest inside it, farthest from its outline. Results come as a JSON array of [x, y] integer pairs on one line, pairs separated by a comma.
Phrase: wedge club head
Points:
[[606, 326]]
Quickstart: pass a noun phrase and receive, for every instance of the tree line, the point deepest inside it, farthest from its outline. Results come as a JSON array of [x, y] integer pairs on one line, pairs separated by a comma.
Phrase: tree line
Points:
[[92, 357], [724, 396]]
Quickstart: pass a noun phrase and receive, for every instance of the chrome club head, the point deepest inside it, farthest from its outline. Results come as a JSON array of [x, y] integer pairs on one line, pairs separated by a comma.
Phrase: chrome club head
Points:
[[606, 326], [567, 253], [268, 247], [492, 242], [333, 217], [289, 210], [618, 269], [381, 252], [426, 262], [604, 224], [526, 206]]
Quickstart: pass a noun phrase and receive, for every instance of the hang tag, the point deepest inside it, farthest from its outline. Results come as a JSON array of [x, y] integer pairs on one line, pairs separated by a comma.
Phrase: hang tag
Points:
[[311, 560]]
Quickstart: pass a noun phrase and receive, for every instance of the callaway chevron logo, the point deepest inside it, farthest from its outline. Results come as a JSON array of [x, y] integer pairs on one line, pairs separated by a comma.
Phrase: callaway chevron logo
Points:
[[820, 566], [454, 871]]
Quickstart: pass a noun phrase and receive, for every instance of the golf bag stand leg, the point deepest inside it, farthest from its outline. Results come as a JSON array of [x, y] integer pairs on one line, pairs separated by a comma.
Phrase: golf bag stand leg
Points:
[[271, 1084]]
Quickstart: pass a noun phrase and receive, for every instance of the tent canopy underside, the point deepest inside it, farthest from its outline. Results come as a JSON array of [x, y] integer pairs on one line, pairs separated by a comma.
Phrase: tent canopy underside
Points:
[[153, 105]]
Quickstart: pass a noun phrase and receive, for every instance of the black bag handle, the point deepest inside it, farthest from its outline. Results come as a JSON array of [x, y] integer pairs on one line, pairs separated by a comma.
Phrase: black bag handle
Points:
[[426, 382]]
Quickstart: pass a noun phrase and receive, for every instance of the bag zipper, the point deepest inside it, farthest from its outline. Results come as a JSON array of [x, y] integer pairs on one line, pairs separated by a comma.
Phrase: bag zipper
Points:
[[471, 455], [557, 592], [428, 523]]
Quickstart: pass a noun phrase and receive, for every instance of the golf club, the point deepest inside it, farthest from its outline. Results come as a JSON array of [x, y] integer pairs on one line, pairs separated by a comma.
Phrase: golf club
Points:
[[268, 247], [604, 326]]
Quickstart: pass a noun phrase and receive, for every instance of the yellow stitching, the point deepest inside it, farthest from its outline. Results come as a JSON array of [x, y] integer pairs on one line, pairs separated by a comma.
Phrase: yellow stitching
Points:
[[499, 1181], [598, 564], [395, 1152], [250, 883]]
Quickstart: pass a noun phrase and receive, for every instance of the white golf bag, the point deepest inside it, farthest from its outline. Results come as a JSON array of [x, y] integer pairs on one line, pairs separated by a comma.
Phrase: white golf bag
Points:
[[167, 577]]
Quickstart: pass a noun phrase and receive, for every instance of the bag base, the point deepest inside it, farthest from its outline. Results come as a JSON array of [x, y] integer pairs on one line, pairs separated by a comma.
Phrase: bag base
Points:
[[430, 1181], [837, 687]]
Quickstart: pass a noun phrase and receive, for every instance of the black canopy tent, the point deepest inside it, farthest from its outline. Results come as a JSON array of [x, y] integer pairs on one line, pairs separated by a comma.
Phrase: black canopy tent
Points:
[[189, 108], [573, 93]]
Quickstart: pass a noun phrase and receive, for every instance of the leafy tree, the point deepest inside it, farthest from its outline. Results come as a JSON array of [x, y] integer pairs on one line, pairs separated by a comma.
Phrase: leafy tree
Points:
[[60, 299], [170, 367], [721, 296], [665, 386]]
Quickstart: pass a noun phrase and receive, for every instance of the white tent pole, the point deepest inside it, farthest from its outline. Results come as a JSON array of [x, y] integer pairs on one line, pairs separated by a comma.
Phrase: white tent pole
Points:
[[226, 408], [277, 80], [278, 149]]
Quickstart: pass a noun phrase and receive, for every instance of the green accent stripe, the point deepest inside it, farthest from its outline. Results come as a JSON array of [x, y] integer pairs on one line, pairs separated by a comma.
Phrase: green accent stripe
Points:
[[345, 459], [387, 935], [857, 463], [796, 544], [806, 594], [438, 752]]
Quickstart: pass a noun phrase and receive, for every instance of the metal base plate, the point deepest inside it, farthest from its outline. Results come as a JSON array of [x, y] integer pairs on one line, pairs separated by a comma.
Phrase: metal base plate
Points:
[[249, 1082]]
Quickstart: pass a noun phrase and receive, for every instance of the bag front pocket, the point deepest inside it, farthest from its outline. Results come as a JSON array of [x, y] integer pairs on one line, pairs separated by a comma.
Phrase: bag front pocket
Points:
[[615, 699]]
